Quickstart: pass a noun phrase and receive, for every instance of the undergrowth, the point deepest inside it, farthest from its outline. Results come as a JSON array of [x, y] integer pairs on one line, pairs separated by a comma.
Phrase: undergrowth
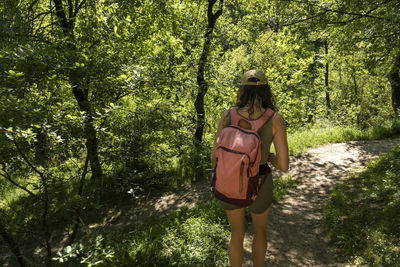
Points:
[[363, 222], [199, 236], [300, 140], [282, 185], [363, 214], [188, 237]]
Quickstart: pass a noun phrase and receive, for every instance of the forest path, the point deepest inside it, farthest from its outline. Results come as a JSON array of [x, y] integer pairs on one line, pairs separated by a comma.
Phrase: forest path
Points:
[[295, 232]]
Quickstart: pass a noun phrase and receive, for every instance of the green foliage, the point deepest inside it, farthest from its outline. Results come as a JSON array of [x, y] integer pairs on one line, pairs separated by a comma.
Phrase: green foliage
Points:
[[362, 215], [282, 185], [188, 237], [323, 133], [136, 61]]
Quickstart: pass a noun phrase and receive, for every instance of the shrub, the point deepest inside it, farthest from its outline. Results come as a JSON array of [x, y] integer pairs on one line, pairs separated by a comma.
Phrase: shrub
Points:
[[363, 214]]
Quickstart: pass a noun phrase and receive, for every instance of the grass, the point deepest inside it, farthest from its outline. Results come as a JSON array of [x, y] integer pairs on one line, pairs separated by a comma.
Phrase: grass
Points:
[[282, 185], [301, 140], [199, 236], [363, 214], [188, 237]]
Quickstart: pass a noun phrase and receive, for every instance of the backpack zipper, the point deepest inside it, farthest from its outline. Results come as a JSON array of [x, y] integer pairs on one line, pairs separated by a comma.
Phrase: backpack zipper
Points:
[[234, 151], [241, 177]]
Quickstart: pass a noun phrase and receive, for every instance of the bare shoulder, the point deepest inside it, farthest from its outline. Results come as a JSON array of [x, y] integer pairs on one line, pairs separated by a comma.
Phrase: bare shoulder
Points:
[[278, 119], [278, 123]]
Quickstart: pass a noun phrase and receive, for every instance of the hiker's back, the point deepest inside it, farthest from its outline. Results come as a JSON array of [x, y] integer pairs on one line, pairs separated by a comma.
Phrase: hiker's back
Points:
[[238, 157]]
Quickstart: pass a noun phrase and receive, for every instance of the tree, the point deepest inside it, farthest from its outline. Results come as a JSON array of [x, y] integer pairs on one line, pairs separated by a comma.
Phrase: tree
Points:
[[80, 87], [369, 25], [65, 65], [201, 82]]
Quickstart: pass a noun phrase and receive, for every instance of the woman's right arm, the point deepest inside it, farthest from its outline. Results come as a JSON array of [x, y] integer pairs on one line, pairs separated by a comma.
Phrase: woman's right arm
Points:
[[281, 159]]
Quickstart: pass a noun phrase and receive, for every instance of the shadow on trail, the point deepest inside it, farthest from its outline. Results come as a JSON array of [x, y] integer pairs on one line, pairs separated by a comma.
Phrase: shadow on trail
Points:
[[295, 232], [156, 206]]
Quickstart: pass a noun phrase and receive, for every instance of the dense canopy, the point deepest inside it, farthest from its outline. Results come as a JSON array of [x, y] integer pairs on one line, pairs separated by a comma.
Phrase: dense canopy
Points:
[[98, 98]]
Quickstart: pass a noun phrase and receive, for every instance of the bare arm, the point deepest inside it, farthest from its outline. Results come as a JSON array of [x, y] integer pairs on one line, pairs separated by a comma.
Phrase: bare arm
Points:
[[222, 123], [281, 159]]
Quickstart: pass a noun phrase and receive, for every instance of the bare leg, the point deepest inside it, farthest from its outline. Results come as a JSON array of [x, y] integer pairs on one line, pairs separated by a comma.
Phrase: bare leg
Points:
[[259, 247], [236, 221]]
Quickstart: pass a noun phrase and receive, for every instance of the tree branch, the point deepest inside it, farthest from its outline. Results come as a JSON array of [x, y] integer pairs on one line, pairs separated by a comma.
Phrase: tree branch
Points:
[[21, 228], [362, 15], [7, 176], [84, 172], [344, 22], [70, 9], [76, 4], [27, 160], [79, 221], [41, 29], [32, 5], [353, 13], [13, 246], [78, 7], [61, 14], [304, 19], [41, 14], [382, 36]]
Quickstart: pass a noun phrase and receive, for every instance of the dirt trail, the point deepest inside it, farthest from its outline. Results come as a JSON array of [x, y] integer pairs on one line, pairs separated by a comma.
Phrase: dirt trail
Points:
[[295, 233]]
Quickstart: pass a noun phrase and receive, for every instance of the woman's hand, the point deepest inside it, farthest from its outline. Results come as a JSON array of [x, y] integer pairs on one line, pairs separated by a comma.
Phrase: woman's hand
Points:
[[272, 159]]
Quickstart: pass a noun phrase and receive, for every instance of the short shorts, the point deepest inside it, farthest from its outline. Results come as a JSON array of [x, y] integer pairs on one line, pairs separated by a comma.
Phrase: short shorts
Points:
[[263, 200]]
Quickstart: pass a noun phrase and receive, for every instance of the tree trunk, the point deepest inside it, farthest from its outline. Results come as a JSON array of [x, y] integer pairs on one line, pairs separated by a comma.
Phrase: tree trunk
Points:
[[80, 90], [203, 87], [13, 246], [81, 94], [77, 223], [42, 148], [327, 96], [355, 85], [394, 79]]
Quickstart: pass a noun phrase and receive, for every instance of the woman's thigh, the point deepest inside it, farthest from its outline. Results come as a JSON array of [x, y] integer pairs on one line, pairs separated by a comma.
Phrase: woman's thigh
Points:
[[260, 220], [236, 220]]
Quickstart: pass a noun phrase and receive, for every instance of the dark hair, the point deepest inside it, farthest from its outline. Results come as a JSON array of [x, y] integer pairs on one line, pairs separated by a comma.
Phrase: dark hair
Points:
[[247, 95]]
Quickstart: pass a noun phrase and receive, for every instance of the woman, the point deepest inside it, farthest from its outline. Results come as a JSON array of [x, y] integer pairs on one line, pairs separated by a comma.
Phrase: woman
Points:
[[254, 97]]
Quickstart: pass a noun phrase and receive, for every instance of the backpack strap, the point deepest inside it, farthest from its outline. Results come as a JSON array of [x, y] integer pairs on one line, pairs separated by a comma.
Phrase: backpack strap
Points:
[[234, 117], [256, 125], [259, 123]]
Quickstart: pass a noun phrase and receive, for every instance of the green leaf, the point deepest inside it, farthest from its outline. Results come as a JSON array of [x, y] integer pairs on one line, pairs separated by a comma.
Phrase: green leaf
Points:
[[115, 31]]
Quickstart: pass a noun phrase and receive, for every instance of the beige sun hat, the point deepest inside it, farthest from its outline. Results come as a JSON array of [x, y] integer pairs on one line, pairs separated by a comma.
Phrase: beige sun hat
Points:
[[254, 74]]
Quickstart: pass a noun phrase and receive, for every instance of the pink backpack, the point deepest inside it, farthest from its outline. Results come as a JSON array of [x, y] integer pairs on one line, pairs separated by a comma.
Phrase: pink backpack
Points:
[[238, 154]]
